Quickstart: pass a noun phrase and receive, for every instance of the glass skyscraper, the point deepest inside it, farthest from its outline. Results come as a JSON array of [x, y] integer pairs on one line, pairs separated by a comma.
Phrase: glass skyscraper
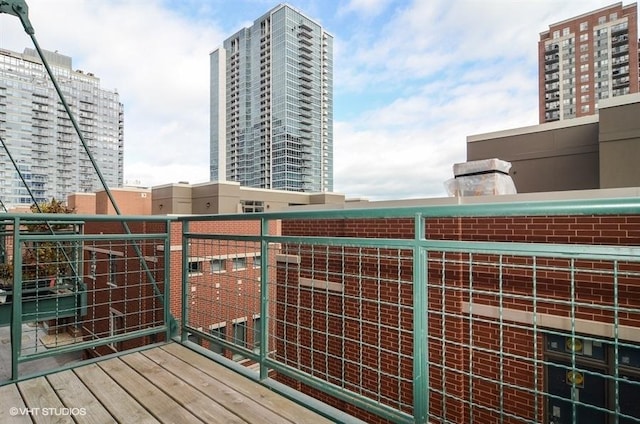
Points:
[[272, 105], [40, 135]]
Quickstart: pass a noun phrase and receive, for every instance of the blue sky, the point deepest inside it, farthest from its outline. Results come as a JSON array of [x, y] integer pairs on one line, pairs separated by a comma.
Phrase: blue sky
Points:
[[412, 79]]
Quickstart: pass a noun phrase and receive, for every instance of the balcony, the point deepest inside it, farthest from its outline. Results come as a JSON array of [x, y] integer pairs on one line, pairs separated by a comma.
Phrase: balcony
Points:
[[435, 313], [145, 387]]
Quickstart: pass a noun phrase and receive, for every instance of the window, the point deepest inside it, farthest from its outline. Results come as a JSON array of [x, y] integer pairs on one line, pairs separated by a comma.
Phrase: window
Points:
[[239, 263], [252, 206], [239, 336], [584, 37], [218, 265], [218, 331], [113, 271], [116, 326], [565, 31], [195, 267], [257, 334], [256, 261], [584, 26], [93, 265], [602, 19], [584, 369]]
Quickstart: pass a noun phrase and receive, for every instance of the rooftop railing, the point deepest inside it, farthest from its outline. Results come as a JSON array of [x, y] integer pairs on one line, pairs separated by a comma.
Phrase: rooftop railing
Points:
[[76, 287], [525, 312], [507, 312]]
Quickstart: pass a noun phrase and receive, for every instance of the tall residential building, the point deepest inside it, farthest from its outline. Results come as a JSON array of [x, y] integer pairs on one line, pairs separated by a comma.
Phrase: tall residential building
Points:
[[272, 104], [40, 136], [585, 59]]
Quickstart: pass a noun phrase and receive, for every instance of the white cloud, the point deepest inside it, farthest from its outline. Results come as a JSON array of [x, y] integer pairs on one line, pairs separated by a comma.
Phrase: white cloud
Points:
[[457, 69], [366, 8], [159, 63]]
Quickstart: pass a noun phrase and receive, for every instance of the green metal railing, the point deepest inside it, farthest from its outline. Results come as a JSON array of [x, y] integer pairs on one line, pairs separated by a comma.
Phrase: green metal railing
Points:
[[443, 314], [80, 288], [369, 308]]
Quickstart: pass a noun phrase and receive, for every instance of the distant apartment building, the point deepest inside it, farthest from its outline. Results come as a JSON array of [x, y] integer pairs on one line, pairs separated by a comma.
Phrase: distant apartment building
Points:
[[585, 59], [272, 105], [40, 136]]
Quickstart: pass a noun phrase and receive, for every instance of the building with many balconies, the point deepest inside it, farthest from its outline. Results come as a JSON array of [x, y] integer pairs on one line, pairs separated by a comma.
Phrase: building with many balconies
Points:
[[40, 136], [585, 59], [272, 105]]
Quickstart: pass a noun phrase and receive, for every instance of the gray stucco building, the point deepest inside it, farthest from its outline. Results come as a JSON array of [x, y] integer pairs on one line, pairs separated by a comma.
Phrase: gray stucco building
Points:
[[591, 152]]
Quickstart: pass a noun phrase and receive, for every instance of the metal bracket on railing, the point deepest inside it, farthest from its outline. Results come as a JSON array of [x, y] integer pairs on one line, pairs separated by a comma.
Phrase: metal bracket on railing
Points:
[[20, 9]]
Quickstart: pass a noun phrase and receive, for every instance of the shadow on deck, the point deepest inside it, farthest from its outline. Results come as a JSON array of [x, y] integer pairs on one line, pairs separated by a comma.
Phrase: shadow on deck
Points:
[[166, 384]]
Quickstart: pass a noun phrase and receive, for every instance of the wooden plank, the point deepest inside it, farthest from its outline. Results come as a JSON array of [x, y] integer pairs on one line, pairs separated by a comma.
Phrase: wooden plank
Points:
[[219, 392], [74, 394], [275, 402], [117, 401], [42, 400], [11, 398], [185, 394], [163, 407]]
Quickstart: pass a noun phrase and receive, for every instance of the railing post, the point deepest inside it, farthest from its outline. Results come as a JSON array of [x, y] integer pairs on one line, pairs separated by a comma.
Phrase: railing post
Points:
[[169, 321], [264, 297], [16, 303], [420, 341], [185, 277]]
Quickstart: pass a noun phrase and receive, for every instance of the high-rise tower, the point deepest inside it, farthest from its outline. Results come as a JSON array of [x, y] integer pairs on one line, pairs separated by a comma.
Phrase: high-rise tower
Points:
[[585, 59], [272, 104], [40, 135]]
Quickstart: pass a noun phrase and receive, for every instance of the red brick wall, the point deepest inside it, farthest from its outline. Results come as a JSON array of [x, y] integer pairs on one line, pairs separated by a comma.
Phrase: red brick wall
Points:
[[375, 311], [133, 296], [219, 296]]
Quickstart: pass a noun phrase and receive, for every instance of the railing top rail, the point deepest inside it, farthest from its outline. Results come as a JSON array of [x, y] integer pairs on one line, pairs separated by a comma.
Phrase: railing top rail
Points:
[[56, 218], [608, 206]]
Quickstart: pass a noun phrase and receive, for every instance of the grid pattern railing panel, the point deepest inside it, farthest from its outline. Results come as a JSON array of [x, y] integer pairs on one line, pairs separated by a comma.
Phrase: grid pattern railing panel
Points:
[[80, 288], [506, 313]]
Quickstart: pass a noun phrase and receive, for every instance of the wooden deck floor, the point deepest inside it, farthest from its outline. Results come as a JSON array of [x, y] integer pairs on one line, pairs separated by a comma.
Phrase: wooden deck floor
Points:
[[167, 384]]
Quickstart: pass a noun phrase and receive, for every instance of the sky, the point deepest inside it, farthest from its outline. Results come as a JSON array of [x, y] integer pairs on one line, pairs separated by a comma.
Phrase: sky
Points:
[[412, 79]]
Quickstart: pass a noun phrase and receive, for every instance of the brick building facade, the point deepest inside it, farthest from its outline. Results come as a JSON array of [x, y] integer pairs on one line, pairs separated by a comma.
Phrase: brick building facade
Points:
[[511, 336], [223, 282]]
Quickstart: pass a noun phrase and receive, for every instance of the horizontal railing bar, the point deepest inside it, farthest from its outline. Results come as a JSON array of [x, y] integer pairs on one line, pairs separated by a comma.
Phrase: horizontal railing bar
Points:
[[613, 206], [226, 237], [72, 365], [584, 251], [581, 251], [74, 347], [29, 218], [90, 237]]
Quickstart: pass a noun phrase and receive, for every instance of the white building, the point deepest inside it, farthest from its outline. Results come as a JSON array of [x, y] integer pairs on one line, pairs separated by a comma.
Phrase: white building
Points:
[[39, 134], [272, 105]]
